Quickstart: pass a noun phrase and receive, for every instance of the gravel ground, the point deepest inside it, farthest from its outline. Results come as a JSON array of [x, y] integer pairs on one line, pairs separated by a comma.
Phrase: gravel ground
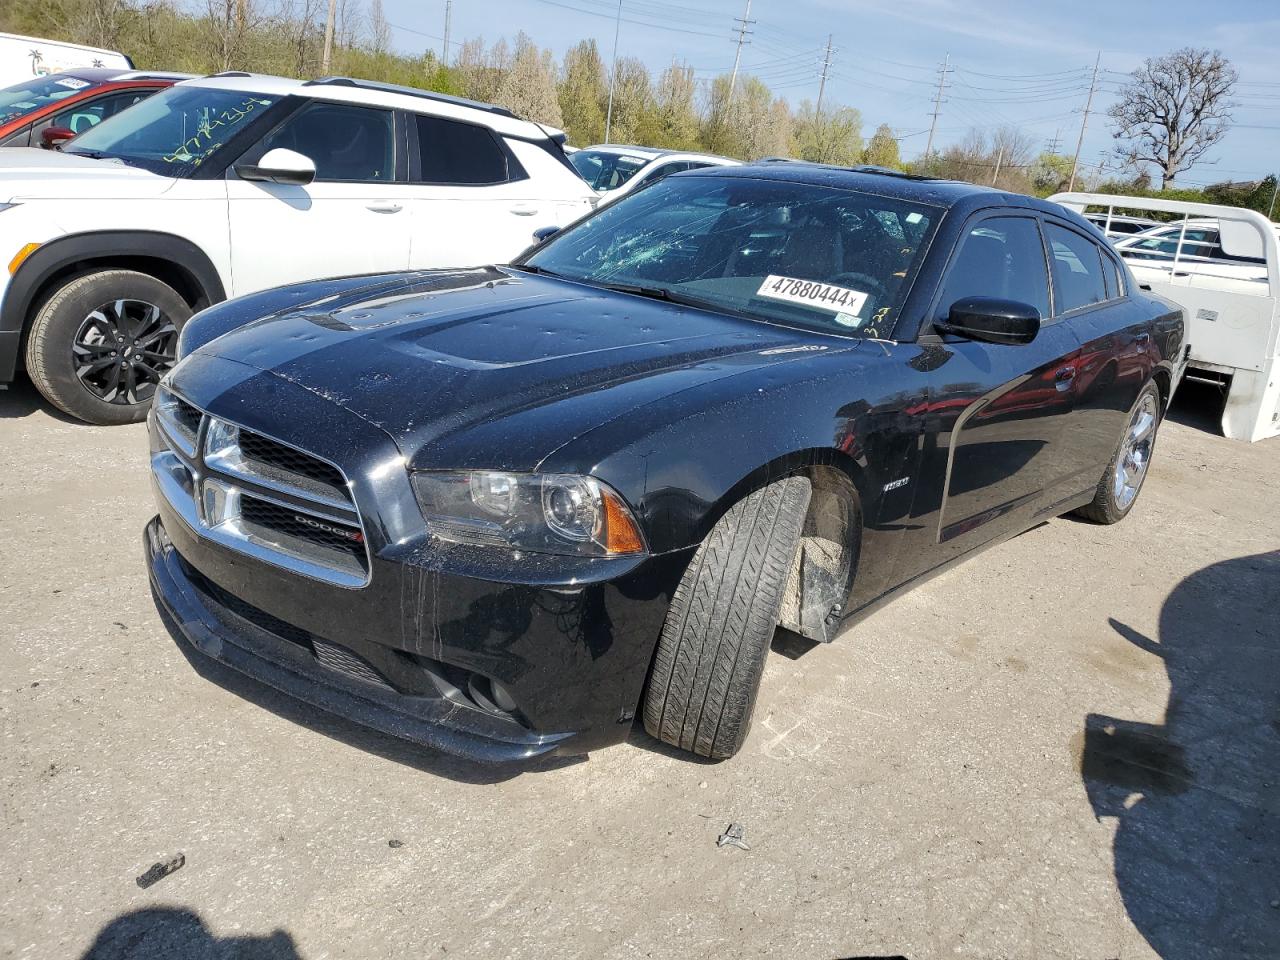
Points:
[[1069, 747]]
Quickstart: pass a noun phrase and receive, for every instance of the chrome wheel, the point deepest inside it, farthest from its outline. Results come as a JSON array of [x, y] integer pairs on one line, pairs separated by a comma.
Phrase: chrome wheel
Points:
[[1135, 451], [122, 349]]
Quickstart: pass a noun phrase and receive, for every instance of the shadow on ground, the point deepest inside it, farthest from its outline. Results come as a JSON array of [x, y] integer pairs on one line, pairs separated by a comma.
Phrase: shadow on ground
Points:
[[161, 933], [22, 399], [1198, 405], [1197, 799]]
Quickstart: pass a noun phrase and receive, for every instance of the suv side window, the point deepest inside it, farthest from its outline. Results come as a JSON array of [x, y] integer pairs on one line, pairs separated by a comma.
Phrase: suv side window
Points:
[[999, 257], [1077, 269], [453, 152], [347, 143]]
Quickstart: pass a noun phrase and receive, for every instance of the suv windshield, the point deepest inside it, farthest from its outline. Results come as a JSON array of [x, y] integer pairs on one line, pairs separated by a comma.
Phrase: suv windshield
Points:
[[175, 131], [604, 169], [823, 258], [23, 98]]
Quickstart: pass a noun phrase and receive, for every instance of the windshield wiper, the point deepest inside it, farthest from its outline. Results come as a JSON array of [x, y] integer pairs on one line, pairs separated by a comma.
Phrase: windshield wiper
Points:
[[670, 296], [540, 271]]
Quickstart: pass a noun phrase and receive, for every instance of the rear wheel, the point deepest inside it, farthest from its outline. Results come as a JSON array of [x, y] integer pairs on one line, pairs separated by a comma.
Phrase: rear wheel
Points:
[[1120, 485], [707, 668], [100, 344]]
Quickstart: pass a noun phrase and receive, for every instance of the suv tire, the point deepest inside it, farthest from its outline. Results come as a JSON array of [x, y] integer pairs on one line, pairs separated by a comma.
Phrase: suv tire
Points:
[[71, 357], [706, 672]]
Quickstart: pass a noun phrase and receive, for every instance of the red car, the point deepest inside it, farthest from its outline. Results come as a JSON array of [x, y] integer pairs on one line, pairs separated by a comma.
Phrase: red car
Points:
[[49, 110]]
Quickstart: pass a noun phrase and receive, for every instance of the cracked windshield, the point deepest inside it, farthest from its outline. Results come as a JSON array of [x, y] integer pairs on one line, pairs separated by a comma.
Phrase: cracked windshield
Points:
[[794, 254], [175, 131]]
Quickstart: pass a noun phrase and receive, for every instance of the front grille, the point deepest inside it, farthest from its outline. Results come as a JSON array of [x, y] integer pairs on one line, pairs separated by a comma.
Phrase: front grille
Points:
[[285, 521], [187, 416], [259, 496], [264, 450]]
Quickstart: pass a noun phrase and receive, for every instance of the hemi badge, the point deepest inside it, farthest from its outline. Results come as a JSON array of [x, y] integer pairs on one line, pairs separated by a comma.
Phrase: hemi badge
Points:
[[896, 484]]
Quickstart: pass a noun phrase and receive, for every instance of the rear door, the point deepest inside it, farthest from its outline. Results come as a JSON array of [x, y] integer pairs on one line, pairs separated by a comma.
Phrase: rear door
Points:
[[1114, 362], [353, 218], [1001, 409], [472, 201]]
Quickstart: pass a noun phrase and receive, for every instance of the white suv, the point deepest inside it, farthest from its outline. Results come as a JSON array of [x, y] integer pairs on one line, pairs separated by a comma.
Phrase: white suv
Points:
[[228, 184]]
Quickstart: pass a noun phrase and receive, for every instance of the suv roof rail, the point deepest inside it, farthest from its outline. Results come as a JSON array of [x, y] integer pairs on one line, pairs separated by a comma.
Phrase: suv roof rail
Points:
[[409, 92], [231, 73]]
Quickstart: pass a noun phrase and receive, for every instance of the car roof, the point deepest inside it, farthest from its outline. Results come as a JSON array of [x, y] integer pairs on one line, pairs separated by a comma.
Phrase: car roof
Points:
[[368, 93], [622, 148], [943, 193]]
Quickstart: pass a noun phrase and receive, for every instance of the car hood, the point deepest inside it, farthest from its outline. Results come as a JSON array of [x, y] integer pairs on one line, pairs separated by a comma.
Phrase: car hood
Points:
[[28, 173], [497, 368]]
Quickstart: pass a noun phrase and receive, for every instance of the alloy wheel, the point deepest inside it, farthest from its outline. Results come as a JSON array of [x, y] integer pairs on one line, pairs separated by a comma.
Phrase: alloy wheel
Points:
[[1135, 451], [122, 350]]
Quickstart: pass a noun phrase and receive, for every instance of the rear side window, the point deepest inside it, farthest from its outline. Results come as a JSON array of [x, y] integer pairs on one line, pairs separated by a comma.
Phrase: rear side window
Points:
[[347, 143], [452, 152], [1077, 269], [1000, 257], [85, 115]]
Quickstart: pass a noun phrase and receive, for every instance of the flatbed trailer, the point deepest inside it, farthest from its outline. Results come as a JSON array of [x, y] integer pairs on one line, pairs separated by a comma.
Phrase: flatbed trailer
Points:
[[1233, 323]]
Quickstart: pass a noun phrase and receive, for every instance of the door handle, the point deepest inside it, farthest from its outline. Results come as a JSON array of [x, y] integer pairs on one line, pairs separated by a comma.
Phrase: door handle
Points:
[[524, 210], [1062, 380], [387, 207]]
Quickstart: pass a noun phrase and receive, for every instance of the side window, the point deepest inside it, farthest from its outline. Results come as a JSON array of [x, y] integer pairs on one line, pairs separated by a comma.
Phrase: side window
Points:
[[452, 152], [1077, 269], [1115, 285], [85, 115], [661, 172], [1000, 257], [347, 143]]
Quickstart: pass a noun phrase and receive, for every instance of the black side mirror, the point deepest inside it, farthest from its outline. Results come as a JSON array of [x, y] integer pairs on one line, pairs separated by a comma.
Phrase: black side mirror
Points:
[[542, 234], [992, 320]]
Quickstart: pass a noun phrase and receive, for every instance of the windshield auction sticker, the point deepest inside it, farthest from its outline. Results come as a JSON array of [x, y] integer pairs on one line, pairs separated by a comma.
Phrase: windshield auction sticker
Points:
[[811, 293]]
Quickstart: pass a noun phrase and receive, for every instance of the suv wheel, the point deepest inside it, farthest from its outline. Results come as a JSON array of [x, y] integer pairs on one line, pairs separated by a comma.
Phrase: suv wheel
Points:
[[100, 344]]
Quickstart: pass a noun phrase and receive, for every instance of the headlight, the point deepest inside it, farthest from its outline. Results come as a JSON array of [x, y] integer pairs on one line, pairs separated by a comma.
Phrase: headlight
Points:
[[541, 513]]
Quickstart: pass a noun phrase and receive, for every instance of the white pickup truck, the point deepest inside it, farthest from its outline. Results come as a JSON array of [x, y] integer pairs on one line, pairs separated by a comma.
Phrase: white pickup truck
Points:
[[1223, 268]]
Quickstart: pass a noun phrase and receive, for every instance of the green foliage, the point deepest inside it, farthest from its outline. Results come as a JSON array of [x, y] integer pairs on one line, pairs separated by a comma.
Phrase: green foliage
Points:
[[882, 149], [1255, 195]]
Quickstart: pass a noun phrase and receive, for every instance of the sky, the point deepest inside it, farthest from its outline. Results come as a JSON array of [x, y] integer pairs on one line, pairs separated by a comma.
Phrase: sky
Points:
[[1022, 62]]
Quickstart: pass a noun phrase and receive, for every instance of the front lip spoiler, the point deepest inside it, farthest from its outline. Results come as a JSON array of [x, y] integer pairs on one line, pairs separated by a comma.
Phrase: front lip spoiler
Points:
[[429, 721]]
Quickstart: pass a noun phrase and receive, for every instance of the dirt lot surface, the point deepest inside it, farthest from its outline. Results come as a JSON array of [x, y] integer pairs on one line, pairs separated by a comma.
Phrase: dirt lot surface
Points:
[[1069, 747]]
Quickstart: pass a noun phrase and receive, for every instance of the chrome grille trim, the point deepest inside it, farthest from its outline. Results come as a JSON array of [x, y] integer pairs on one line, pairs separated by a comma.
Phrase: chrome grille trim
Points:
[[295, 521]]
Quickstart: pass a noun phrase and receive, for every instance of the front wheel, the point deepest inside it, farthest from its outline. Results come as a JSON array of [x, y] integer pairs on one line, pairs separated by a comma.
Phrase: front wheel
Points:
[[710, 657], [1122, 481], [100, 344]]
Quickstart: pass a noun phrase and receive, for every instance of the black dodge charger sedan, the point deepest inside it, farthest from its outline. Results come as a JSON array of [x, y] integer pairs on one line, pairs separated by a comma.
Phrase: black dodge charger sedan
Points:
[[502, 511]]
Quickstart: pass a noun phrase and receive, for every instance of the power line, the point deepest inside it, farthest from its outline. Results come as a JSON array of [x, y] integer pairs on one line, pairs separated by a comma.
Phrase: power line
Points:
[[937, 101], [822, 85], [743, 23], [1084, 122]]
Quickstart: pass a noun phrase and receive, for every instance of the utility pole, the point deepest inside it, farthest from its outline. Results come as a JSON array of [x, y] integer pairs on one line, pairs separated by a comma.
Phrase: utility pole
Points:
[[743, 23], [448, 22], [937, 102], [1084, 122], [613, 74], [822, 84], [327, 56], [999, 161], [1051, 146]]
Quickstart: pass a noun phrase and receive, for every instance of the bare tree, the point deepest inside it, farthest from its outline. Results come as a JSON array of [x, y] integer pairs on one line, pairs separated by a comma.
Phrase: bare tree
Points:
[[1174, 109], [230, 22], [379, 29]]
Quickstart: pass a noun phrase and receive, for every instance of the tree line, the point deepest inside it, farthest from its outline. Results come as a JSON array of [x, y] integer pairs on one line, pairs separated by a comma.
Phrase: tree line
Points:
[[673, 109]]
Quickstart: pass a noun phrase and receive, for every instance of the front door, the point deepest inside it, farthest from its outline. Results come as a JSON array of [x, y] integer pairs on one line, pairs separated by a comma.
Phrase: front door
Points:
[[999, 409], [353, 218]]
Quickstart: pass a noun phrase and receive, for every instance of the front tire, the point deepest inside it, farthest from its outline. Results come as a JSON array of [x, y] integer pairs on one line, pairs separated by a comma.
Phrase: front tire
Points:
[[1121, 483], [101, 342], [706, 672]]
